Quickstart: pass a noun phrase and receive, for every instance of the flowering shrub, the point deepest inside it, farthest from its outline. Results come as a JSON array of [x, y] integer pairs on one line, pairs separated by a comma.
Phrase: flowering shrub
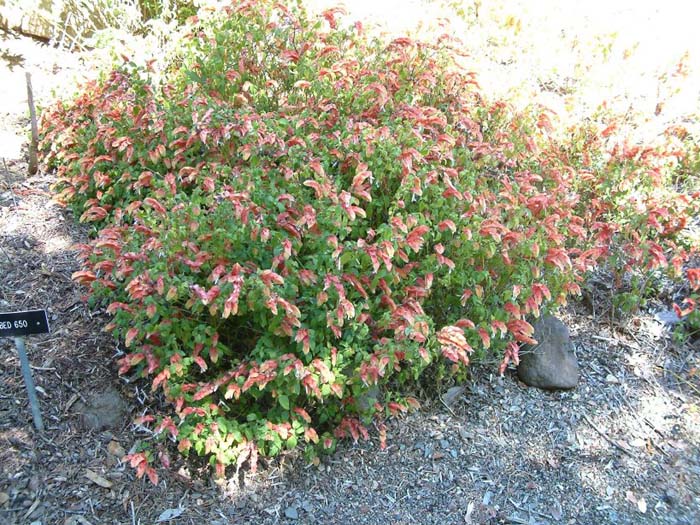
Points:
[[298, 214]]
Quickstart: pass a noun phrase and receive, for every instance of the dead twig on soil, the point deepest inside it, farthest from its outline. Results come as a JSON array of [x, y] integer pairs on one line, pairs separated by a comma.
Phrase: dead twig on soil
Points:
[[530, 511], [653, 427], [680, 378], [657, 447], [447, 407], [606, 438], [614, 341]]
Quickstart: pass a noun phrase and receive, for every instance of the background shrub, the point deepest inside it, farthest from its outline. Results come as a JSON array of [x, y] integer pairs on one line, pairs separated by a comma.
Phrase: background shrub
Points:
[[291, 214]]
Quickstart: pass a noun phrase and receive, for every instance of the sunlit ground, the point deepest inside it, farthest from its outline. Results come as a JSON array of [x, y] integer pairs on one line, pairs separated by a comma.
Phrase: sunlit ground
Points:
[[640, 58]]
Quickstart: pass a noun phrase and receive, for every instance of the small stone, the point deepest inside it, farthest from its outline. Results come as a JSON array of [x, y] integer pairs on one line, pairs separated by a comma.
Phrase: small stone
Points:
[[556, 510], [106, 409], [465, 434], [170, 514], [667, 317], [671, 496], [4, 498], [292, 513], [444, 443], [116, 449], [612, 379], [551, 364], [638, 443], [454, 453], [367, 399], [452, 395], [33, 484]]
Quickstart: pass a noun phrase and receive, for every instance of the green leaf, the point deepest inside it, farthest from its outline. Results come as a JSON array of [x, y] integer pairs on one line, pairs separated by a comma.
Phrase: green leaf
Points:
[[284, 401]]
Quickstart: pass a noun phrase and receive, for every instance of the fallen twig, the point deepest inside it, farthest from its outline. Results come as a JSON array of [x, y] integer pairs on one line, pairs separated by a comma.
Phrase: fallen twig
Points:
[[606, 438], [447, 406], [605, 339], [530, 511], [614, 341], [657, 447], [680, 378]]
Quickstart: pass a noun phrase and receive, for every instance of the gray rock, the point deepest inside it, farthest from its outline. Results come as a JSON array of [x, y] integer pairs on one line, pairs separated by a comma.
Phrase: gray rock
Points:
[[453, 394], [670, 496], [106, 409], [667, 317], [551, 364], [367, 399], [291, 513]]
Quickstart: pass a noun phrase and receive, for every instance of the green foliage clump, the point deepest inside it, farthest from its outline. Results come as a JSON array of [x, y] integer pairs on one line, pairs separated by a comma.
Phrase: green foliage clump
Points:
[[180, 10], [299, 214]]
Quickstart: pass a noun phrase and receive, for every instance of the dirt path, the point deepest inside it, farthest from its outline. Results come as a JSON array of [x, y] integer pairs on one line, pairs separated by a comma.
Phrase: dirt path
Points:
[[623, 448]]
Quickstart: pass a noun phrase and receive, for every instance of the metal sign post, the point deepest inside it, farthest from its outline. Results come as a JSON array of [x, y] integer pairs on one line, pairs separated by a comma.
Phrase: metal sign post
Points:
[[29, 382], [16, 325]]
